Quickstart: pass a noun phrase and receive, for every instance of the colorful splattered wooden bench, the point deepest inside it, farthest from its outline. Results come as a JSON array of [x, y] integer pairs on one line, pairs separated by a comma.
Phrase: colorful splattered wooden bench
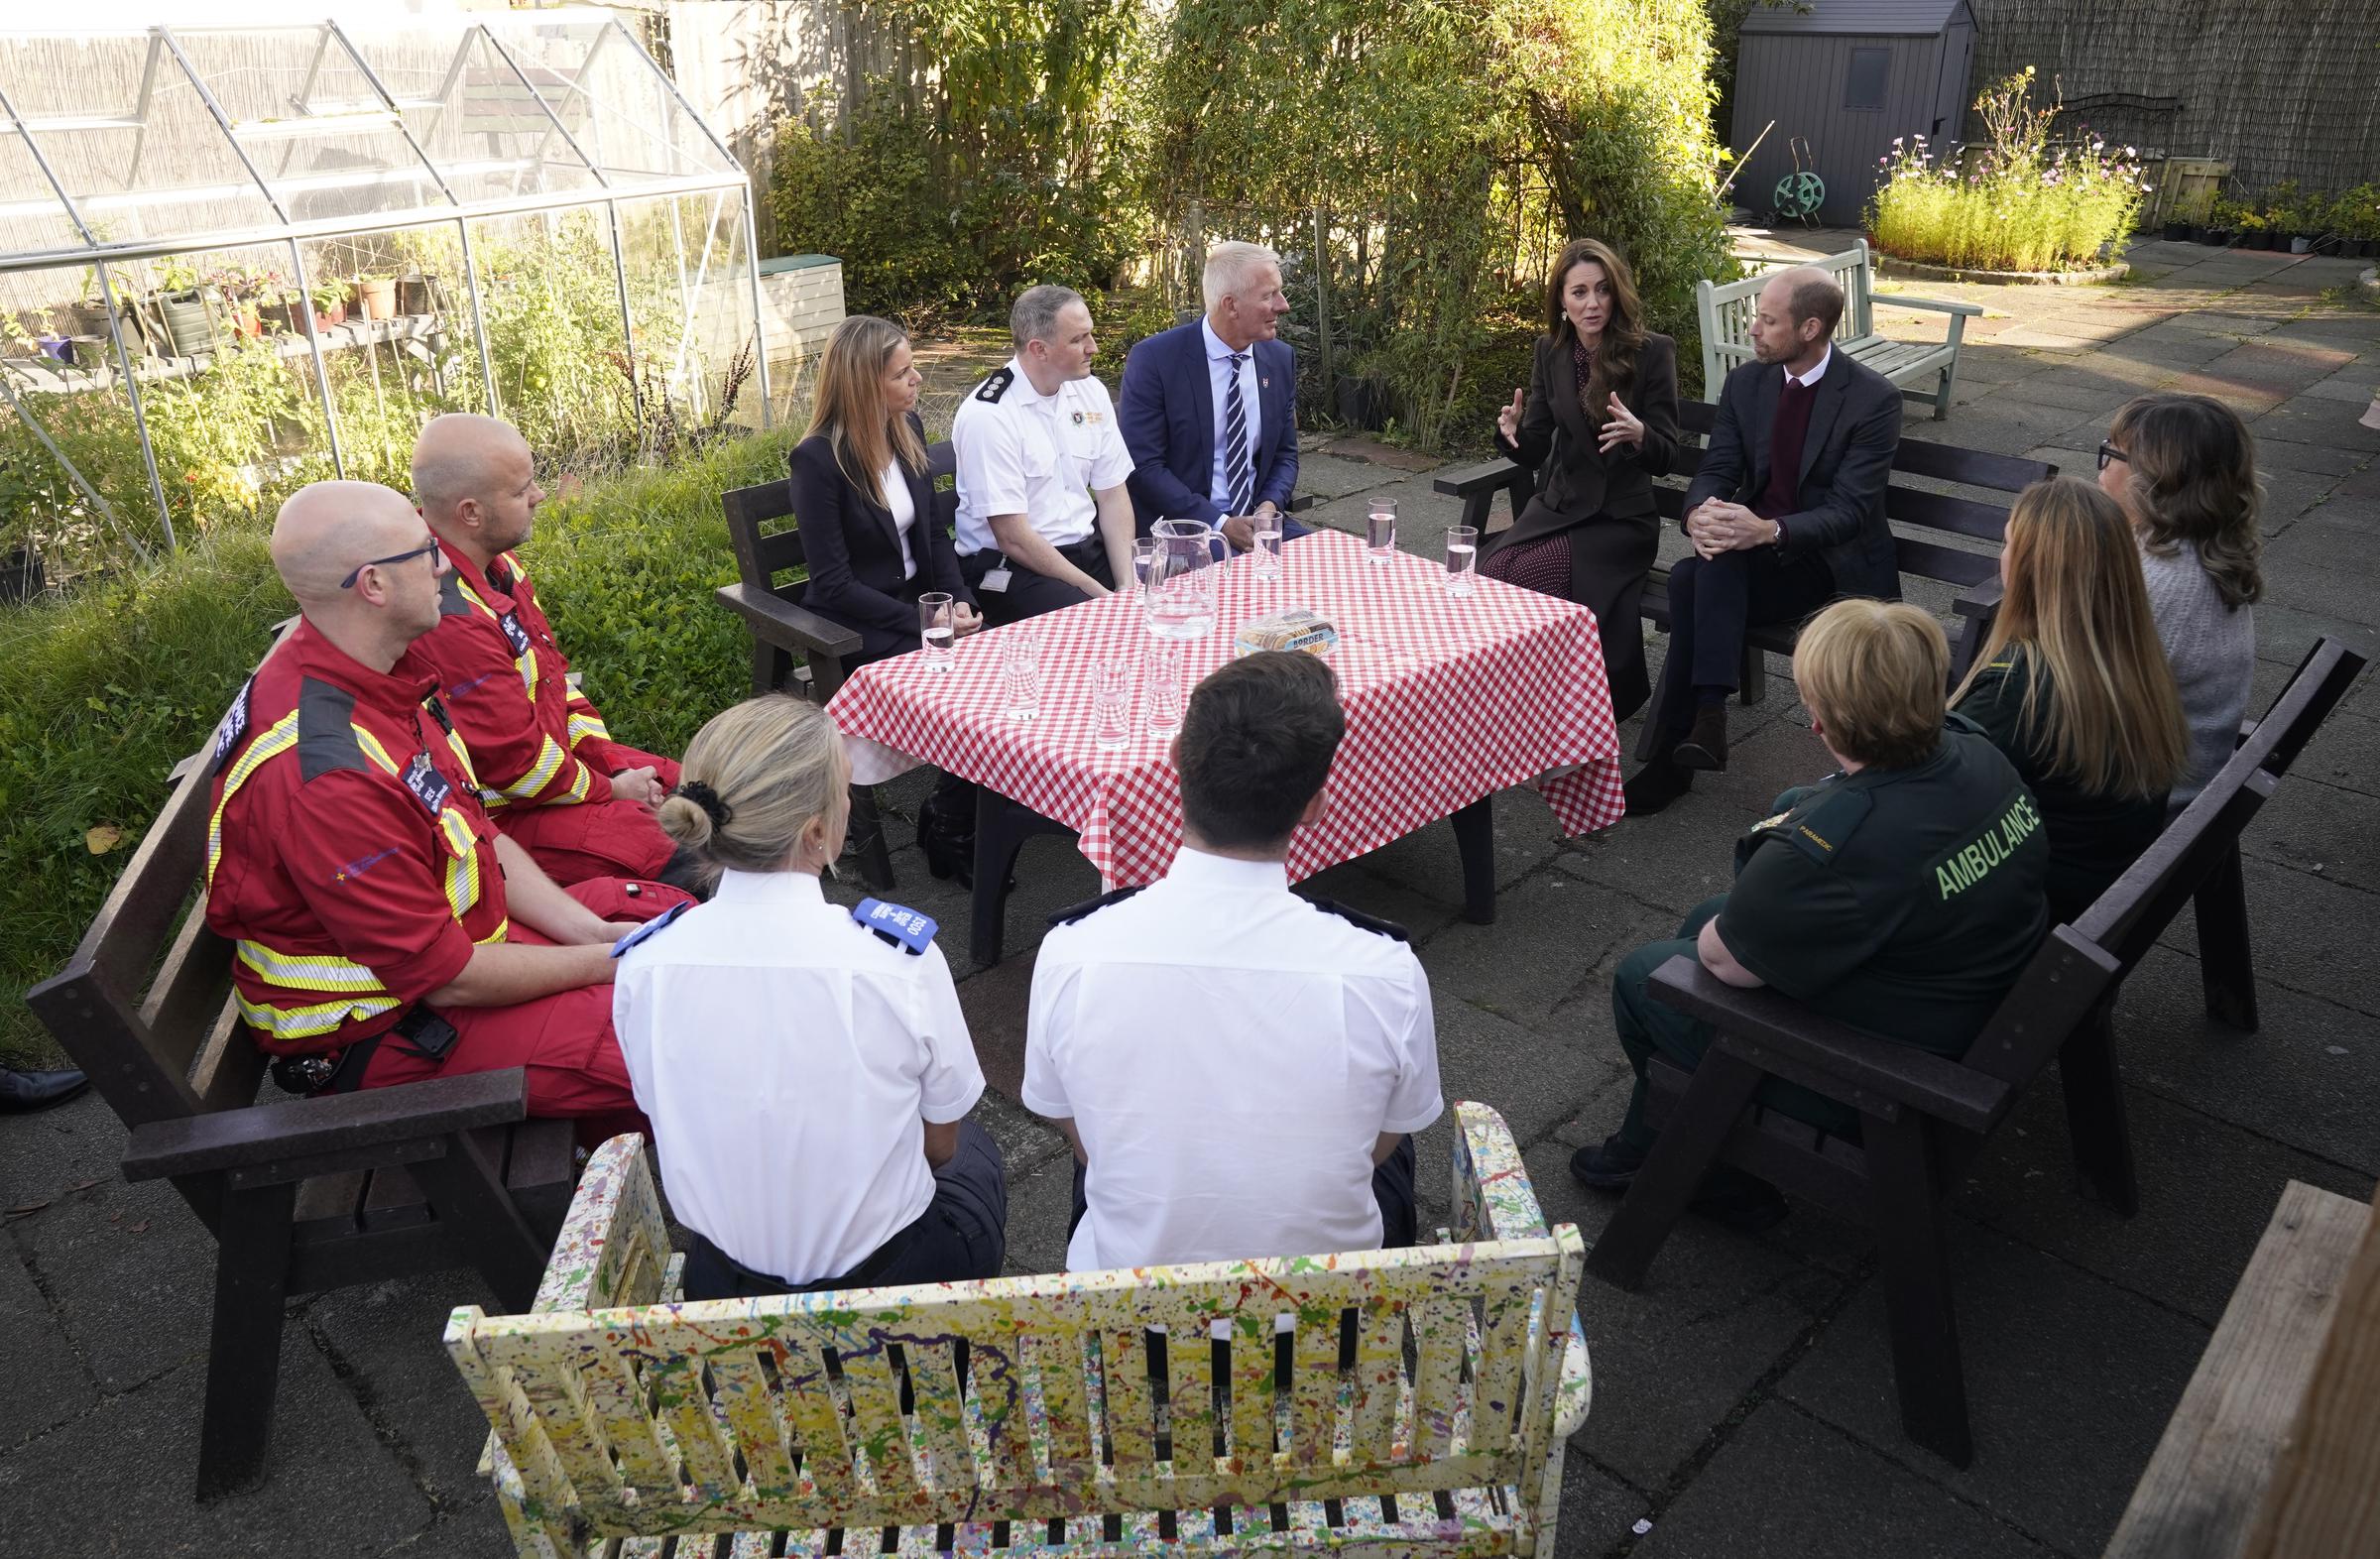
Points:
[[1407, 1401]]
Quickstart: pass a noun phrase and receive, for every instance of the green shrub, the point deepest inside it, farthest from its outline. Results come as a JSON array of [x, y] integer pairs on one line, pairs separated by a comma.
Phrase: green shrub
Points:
[[111, 687], [2017, 205]]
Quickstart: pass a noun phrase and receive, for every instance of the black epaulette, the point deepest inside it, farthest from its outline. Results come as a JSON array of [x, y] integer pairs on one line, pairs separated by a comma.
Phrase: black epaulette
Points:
[[1091, 906], [1362, 921], [995, 386], [232, 726]]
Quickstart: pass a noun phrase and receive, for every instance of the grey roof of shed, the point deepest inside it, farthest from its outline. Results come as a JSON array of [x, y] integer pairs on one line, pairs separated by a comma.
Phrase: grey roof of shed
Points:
[[1866, 18]]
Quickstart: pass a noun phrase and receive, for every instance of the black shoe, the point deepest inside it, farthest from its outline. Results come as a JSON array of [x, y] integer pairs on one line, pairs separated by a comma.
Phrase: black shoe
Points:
[[1655, 786], [1705, 746], [947, 855], [1739, 1201], [1611, 1167], [23, 1091]]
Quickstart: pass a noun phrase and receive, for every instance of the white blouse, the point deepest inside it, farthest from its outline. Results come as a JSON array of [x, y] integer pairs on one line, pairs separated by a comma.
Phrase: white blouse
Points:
[[896, 483]]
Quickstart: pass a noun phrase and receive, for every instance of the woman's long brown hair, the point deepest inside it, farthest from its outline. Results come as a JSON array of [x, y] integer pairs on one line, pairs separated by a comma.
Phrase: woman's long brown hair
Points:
[[2077, 606], [849, 406], [2191, 464], [1616, 355]]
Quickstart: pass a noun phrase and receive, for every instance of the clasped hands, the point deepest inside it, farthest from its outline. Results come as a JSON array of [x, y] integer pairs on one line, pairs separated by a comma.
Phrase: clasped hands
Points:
[[1622, 427], [1715, 527], [1240, 530]]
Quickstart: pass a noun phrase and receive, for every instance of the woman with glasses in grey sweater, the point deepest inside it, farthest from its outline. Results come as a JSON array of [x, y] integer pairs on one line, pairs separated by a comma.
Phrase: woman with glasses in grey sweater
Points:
[[2183, 468]]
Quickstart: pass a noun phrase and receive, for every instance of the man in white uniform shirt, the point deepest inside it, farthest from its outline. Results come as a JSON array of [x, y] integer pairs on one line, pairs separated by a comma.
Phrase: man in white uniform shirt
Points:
[[1237, 1067], [1044, 518]]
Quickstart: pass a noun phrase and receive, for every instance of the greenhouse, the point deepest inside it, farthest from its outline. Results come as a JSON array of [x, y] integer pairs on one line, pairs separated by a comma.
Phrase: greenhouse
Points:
[[233, 261]]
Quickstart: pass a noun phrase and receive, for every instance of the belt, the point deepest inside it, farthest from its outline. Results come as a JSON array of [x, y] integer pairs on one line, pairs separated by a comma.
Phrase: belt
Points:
[[861, 1276], [326, 1072]]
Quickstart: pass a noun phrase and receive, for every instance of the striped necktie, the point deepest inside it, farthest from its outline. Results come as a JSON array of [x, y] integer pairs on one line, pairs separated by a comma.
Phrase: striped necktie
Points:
[[1237, 469]]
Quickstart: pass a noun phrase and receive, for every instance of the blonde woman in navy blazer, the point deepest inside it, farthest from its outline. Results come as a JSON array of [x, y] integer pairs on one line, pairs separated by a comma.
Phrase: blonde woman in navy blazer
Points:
[[863, 499]]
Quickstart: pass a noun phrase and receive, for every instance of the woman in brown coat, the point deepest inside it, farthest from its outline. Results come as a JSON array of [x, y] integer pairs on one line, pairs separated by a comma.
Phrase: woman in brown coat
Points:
[[1598, 422]]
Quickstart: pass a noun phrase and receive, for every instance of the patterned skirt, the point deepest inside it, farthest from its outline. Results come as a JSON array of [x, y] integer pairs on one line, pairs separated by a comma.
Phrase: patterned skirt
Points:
[[1542, 566]]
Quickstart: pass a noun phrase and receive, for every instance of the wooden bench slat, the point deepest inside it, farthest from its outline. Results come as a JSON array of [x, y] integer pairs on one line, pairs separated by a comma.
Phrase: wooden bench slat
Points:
[[1129, 1407], [1190, 1395], [877, 1430], [1251, 1373], [1973, 467], [741, 1388], [1314, 1382]]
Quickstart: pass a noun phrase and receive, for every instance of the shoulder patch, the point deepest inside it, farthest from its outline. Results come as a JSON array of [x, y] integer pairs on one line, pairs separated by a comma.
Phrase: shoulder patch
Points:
[[1820, 828], [993, 387], [326, 731], [451, 596], [1357, 919], [1092, 906], [646, 931], [514, 634], [233, 725], [911, 931]]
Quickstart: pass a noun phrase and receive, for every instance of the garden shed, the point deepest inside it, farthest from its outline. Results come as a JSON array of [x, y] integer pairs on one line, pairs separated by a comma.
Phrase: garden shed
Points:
[[236, 260], [1840, 79]]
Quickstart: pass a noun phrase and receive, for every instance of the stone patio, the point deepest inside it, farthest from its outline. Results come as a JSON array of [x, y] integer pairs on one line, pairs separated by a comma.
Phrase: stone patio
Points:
[[1743, 1400]]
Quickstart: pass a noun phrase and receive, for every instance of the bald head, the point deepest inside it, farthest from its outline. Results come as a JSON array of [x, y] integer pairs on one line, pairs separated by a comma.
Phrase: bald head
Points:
[[1809, 293], [326, 528], [476, 483]]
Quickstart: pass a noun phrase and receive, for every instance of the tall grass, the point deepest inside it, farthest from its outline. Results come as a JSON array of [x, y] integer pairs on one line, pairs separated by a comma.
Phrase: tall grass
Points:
[[108, 689], [2015, 204]]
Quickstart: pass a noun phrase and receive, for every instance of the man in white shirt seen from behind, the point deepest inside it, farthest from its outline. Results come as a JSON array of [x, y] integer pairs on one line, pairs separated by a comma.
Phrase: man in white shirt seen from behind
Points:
[[1237, 1067], [1044, 518]]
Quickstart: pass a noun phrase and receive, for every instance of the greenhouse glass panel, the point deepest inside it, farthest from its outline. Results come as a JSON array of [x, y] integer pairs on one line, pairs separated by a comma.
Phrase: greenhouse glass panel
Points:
[[128, 134], [236, 260]]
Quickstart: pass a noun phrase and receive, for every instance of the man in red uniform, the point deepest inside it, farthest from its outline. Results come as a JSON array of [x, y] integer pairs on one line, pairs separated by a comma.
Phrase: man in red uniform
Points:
[[551, 776], [384, 931]]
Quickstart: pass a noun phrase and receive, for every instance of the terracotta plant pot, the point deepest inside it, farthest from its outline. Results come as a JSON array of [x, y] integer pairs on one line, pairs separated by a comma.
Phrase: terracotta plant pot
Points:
[[379, 297]]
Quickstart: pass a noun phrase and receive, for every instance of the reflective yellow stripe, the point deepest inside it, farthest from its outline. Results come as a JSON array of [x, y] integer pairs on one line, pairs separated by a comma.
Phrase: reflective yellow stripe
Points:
[[274, 740], [462, 754], [584, 725], [548, 764], [463, 867], [308, 971], [581, 783], [312, 1022], [527, 659], [317, 1019]]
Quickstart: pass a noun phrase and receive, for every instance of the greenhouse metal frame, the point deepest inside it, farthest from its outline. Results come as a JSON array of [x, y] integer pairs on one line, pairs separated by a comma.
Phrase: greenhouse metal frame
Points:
[[507, 68]]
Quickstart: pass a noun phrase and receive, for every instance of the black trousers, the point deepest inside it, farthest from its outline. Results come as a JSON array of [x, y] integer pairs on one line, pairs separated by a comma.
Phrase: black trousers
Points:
[[1713, 601], [962, 1235], [1391, 1187], [1030, 594]]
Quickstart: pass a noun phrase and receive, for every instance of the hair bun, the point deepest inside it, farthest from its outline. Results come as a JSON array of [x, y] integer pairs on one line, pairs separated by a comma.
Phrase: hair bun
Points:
[[703, 795]]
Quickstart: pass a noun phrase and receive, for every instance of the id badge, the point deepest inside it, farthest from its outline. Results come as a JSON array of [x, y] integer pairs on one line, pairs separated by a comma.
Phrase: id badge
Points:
[[995, 580]]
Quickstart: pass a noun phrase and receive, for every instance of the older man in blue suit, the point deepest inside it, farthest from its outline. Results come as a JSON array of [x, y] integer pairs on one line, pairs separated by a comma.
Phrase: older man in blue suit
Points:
[[1209, 410]]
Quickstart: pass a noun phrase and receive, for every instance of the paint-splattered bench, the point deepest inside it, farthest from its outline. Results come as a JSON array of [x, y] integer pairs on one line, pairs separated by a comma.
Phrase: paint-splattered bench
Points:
[[1419, 1406]]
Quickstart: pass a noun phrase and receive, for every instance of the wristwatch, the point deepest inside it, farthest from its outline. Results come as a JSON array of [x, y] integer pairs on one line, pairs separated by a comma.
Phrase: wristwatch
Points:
[[1778, 540]]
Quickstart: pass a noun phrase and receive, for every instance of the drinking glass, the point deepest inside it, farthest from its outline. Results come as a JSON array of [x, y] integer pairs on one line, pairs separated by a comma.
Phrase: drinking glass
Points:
[[1461, 558], [1020, 670], [1163, 673], [1266, 552], [1380, 530], [1112, 703], [1145, 560], [937, 627]]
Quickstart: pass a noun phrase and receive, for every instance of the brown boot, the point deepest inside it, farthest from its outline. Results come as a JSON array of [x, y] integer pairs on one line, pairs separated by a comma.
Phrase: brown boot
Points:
[[1705, 746], [1655, 786]]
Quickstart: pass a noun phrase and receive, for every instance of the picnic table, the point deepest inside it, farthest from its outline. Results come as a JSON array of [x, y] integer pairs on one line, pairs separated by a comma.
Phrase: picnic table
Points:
[[1449, 699]]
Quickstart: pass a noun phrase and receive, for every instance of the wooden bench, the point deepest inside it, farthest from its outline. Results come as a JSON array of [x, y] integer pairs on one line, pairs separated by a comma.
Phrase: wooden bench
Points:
[[1041, 1415], [1725, 310], [2278, 1392], [1924, 1116], [301, 1195], [1975, 576], [793, 647]]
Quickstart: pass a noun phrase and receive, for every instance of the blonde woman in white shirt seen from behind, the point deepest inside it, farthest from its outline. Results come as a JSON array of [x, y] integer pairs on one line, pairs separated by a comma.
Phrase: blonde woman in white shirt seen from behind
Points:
[[805, 1067]]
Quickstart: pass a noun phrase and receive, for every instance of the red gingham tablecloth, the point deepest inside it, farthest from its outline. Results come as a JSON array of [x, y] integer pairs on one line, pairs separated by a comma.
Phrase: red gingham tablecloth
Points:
[[1448, 699]]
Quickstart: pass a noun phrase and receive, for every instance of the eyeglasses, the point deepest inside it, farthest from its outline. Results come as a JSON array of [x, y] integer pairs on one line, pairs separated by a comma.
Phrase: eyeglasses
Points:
[[357, 572], [2109, 452]]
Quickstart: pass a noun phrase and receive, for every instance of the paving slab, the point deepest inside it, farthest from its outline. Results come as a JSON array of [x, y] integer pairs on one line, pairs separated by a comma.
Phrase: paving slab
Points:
[[1672, 1361], [2324, 566], [2323, 830], [2346, 753], [2306, 1078], [132, 1273], [1674, 861], [42, 1153], [1535, 1081], [2310, 934], [1597, 1510], [118, 1479], [47, 1382], [2063, 1421], [2207, 1189], [1551, 932], [381, 1340], [1788, 1485]]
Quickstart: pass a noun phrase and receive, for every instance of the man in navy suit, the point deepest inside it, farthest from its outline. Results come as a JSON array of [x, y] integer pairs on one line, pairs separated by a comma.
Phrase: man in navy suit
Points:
[[1209, 410]]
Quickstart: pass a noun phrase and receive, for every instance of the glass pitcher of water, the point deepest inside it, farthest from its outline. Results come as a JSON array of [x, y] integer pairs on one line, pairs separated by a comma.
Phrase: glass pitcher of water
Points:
[[1181, 582]]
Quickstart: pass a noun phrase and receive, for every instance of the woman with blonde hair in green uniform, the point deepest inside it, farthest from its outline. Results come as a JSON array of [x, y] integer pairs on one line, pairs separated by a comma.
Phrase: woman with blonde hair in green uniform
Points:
[[1902, 895], [2073, 686]]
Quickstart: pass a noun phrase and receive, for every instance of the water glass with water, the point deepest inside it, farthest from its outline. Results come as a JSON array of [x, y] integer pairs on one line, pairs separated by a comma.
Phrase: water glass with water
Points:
[[1380, 530], [1162, 674], [1266, 550], [1112, 703], [1020, 670], [1145, 561], [1461, 558], [939, 629]]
